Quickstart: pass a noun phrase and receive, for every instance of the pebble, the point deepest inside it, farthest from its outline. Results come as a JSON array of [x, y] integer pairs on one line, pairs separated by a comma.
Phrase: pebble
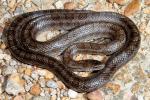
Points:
[[95, 95], [114, 87], [8, 70], [49, 75], [14, 84], [28, 86], [41, 72], [70, 5], [147, 2], [28, 96], [28, 71], [53, 92], [60, 85], [132, 7], [35, 75], [146, 10], [42, 93], [59, 4], [13, 63], [42, 82], [65, 98], [18, 11], [53, 97], [11, 3], [52, 84], [5, 57], [19, 97], [136, 87], [2, 46], [35, 90], [72, 94]]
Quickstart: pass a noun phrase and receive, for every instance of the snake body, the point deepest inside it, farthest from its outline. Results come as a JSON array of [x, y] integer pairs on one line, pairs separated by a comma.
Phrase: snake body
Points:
[[82, 25]]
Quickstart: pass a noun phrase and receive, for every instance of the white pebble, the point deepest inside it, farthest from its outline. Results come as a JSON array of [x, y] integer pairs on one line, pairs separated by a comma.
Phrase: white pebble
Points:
[[59, 4], [41, 72], [35, 75], [72, 94], [52, 84], [54, 92]]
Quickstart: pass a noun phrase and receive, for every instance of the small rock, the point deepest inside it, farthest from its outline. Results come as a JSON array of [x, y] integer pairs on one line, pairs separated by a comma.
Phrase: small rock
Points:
[[53, 92], [120, 2], [28, 96], [49, 75], [14, 84], [72, 94], [42, 93], [95, 95], [97, 6], [146, 10], [35, 75], [41, 72], [70, 5], [27, 78], [81, 4], [19, 97], [21, 69], [13, 63], [2, 46], [135, 88], [114, 87], [65, 98], [18, 11], [132, 7], [53, 97], [60, 85], [42, 82], [11, 3], [35, 90], [28, 71], [147, 2], [8, 70], [7, 57], [52, 84], [41, 98], [59, 4], [28, 86]]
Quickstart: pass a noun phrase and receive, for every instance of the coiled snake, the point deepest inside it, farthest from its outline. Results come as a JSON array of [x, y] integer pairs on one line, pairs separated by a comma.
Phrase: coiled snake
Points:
[[86, 30]]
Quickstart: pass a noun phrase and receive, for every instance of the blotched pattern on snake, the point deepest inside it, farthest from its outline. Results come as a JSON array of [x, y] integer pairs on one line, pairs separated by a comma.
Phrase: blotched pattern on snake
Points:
[[88, 32]]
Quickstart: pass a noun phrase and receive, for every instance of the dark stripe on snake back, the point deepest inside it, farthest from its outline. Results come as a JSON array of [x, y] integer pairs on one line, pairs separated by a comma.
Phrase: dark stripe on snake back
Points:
[[81, 25]]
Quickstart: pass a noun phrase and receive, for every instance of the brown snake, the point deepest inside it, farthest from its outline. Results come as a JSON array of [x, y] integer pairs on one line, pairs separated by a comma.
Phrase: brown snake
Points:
[[96, 33]]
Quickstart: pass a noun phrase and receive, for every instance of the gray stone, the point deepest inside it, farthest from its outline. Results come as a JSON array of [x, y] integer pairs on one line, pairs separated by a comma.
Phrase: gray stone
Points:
[[13, 86], [52, 84], [8, 70], [72, 94]]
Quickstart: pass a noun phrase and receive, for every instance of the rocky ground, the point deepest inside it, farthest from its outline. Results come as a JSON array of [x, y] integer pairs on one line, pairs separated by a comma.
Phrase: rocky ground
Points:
[[23, 82]]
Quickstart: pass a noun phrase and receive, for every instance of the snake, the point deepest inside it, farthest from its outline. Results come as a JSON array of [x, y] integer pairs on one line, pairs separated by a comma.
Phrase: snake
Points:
[[86, 32]]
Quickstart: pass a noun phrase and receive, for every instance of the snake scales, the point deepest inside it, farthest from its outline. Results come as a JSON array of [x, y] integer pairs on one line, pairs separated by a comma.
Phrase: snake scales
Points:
[[90, 32]]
